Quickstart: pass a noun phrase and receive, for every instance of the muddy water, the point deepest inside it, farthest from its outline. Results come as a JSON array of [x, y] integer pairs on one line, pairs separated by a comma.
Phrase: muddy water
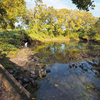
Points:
[[72, 75]]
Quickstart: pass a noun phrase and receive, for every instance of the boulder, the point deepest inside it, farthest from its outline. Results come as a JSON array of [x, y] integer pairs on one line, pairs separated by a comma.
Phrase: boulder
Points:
[[23, 70], [16, 73], [33, 76], [21, 78], [33, 83], [48, 70], [11, 72], [31, 79], [44, 74], [25, 80], [25, 85], [33, 72]]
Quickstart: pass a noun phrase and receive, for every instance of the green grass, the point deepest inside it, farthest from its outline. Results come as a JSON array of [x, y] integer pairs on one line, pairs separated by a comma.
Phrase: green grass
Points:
[[10, 41]]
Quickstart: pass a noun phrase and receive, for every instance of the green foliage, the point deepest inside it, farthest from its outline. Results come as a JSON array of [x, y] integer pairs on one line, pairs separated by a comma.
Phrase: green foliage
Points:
[[11, 40], [84, 4], [47, 22], [10, 10], [8, 47]]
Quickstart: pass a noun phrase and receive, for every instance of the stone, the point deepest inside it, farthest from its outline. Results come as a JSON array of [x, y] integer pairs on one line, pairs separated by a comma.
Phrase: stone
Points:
[[11, 72], [20, 81], [21, 78], [16, 77], [31, 79], [32, 60], [33, 82], [44, 66], [33, 76], [33, 72], [15, 73], [70, 66], [73, 65], [17, 68], [48, 70], [25, 85], [42, 70], [23, 70], [25, 80], [44, 74]]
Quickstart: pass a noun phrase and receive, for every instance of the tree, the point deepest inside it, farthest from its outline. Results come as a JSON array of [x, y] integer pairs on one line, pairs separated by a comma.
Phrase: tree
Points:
[[10, 10], [84, 4]]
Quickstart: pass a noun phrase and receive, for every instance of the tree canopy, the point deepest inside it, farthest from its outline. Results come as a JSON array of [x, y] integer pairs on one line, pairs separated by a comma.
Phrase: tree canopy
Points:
[[84, 4], [10, 10]]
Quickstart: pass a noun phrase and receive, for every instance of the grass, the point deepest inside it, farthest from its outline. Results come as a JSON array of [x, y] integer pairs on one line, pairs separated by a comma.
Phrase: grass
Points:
[[10, 41]]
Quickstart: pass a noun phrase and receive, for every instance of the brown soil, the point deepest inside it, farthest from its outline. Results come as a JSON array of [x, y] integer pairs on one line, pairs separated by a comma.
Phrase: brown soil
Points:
[[4, 93]]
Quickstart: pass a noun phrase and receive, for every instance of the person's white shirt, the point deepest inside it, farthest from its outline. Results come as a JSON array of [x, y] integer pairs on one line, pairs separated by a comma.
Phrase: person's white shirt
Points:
[[26, 44]]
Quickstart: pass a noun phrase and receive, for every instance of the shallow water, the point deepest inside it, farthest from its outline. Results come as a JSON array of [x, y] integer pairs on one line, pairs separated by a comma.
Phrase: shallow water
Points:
[[72, 76]]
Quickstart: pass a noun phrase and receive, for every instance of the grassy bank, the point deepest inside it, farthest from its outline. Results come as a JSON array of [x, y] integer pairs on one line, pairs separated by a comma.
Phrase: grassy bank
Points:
[[11, 41]]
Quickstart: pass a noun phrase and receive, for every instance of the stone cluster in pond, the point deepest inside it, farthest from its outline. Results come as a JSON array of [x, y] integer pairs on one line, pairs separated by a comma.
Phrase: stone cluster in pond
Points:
[[31, 77], [93, 66], [24, 81]]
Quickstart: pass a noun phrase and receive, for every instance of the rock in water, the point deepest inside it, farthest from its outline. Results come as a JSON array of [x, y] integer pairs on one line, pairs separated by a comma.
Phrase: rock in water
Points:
[[25, 80], [11, 72], [33, 76], [48, 70], [21, 78], [25, 85], [15, 73], [33, 72]]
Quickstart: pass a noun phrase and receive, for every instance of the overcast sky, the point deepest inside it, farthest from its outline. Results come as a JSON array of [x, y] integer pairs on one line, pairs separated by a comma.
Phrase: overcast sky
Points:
[[58, 4]]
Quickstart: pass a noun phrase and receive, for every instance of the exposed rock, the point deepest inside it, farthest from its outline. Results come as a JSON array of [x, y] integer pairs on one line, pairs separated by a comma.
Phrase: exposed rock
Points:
[[21, 78], [33, 60], [25, 80], [33, 72], [17, 68], [31, 79], [16, 77], [42, 70], [73, 65], [25, 85], [70, 66], [43, 74], [48, 70], [92, 62], [44, 66], [11, 72], [33, 76], [16, 73], [33, 82], [23, 70]]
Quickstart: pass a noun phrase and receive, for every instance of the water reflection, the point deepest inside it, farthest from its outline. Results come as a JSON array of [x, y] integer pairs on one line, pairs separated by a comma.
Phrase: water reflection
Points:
[[72, 75]]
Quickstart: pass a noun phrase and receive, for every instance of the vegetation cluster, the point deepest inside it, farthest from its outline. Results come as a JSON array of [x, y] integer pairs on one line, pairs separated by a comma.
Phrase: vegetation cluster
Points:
[[45, 23]]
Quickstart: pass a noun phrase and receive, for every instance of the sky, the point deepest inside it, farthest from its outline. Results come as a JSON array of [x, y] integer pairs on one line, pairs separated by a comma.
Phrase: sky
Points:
[[59, 4]]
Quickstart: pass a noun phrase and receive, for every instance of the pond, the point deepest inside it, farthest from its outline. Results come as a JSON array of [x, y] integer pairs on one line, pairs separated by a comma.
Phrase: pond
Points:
[[72, 71]]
